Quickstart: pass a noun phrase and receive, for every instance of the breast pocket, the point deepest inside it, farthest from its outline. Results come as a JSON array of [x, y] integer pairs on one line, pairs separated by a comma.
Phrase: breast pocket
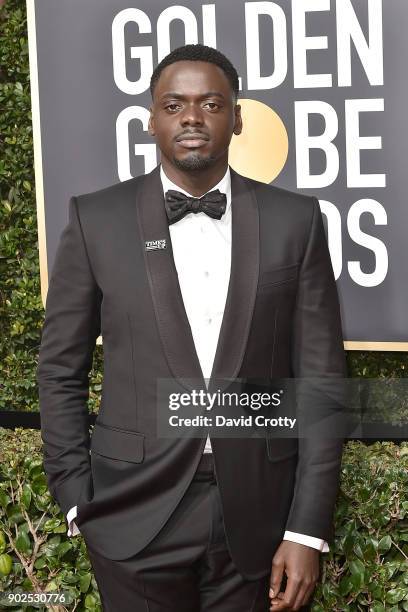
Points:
[[279, 276]]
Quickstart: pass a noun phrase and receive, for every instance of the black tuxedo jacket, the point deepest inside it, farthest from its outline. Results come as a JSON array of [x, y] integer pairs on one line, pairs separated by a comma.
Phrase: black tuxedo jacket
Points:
[[281, 320]]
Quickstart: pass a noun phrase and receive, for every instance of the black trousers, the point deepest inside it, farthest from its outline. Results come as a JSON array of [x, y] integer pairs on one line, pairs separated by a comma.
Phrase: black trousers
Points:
[[186, 567]]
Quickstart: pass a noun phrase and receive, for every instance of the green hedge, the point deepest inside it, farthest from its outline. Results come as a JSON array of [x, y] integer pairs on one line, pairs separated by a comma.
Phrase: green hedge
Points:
[[21, 309], [33, 538], [366, 569]]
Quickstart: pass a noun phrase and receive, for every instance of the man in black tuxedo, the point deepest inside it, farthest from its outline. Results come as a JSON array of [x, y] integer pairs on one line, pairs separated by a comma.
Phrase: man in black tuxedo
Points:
[[190, 273]]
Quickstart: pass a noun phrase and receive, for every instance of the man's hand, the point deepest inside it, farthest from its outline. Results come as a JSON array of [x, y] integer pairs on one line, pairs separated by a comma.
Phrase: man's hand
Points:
[[301, 566]]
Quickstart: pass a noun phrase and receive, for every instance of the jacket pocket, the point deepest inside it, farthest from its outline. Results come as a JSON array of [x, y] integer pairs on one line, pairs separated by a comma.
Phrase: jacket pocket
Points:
[[116, 443]]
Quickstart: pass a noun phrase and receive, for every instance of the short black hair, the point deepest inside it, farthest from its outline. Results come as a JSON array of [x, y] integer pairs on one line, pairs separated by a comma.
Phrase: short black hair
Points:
[[198, 53]]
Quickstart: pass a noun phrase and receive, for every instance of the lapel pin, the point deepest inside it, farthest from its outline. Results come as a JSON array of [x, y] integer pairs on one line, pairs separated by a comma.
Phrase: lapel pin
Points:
[[155, 245]]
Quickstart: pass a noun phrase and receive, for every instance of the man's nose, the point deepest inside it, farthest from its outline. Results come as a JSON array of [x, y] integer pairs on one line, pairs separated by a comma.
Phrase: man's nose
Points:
[[192, 115]]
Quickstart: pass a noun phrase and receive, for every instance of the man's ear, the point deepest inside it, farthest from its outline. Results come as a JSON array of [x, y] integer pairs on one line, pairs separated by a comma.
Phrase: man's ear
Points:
[[238, 120], [150, 125]]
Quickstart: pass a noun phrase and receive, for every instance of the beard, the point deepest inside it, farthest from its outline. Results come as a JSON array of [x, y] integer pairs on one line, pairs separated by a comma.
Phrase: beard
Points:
[[194, 161]]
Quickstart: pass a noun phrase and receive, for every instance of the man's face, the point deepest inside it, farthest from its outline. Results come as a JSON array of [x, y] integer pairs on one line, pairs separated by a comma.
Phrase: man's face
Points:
[[193, 115]]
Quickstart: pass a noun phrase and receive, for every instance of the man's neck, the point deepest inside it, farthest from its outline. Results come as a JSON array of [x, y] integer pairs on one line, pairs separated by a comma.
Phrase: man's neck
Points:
[[195, 182]]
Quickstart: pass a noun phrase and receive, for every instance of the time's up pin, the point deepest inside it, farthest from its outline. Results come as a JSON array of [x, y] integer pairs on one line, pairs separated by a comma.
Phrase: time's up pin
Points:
[[155, 245]]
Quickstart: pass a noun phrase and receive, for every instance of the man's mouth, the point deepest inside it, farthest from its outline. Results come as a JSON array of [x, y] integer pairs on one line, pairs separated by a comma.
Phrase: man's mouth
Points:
[[192, 141]]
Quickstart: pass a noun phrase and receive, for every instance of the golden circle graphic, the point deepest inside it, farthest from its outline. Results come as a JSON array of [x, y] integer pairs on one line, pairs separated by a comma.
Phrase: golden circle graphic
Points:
[[261, 150]]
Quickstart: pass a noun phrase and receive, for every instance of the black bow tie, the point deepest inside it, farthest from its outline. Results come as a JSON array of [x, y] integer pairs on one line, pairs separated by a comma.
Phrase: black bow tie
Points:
[[178, 204]]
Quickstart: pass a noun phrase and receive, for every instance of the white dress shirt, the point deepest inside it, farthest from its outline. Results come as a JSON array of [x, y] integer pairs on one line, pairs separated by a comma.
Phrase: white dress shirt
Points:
[[202, 256]]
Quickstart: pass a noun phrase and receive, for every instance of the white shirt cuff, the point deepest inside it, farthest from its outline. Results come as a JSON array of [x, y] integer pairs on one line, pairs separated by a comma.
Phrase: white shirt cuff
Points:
[[72, 527], [300, 538]]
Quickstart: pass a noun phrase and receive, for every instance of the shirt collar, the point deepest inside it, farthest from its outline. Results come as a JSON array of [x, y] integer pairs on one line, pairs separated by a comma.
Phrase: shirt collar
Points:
[[224, 185]]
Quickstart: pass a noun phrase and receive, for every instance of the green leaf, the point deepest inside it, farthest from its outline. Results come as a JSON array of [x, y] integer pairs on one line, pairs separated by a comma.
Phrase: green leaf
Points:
[[3, 542], [36, 468], [50, 549], [91, 602], [345, 585], [4, 499], [83, 563], [357, 567], [391, 568], [6, 564], [395, 595], [51, 586], [40, 563], [377, 606], [357, 570], [23, 544], [63, 548], [26, 496], [14, 514], [84, 582], [384, 544], [52, 524], [39, 484]]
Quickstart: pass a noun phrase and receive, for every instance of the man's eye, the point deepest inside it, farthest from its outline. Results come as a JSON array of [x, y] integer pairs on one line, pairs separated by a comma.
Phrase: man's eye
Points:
[[212, 105], [172, 106]]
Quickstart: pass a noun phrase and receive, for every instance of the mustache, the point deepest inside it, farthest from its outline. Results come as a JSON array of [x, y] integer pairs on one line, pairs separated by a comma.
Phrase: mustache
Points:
[[193, 134]]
